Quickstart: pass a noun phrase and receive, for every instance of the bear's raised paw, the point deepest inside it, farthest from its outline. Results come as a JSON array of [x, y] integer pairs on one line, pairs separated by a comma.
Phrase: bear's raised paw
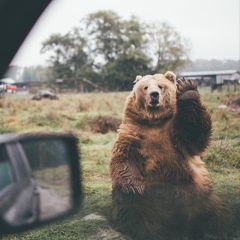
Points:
[[186, 90]]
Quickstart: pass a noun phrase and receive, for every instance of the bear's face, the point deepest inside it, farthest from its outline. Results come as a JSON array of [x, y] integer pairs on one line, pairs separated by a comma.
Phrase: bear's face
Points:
[[153, 97]]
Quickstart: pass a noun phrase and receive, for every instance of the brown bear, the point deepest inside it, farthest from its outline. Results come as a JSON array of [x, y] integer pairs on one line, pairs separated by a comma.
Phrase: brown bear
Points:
[[160, 186]]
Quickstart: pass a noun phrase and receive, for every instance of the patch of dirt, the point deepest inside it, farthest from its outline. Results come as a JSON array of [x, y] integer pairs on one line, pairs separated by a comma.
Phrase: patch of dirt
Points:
[[234, 106], [222, 106]]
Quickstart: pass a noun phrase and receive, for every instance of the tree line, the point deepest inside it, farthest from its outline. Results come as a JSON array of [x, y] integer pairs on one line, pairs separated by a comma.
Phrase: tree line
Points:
[[110, 51]]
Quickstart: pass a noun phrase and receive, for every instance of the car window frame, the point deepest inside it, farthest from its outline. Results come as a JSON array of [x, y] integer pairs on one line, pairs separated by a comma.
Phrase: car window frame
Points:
[[8, 188], [15, 29]]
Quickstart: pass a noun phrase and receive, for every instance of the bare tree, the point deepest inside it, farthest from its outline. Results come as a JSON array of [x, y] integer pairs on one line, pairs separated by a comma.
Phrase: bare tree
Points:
[[169, 50]]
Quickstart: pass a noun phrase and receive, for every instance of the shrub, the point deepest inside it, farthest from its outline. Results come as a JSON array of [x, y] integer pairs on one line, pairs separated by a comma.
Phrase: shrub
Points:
[[104, 124]]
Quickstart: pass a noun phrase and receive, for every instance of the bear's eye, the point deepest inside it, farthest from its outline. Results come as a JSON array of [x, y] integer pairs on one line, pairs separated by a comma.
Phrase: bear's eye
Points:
[[160, 86], [145, 88]]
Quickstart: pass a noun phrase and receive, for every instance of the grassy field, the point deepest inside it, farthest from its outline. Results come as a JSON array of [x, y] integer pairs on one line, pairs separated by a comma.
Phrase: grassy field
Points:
[[94, 117]]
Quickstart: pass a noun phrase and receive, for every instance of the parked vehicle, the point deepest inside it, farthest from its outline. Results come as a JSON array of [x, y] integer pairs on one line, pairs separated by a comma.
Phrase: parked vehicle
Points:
[[11, 88]]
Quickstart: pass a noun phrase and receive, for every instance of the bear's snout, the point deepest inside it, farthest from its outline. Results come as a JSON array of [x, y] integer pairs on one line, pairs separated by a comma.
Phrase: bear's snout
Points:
[[154, 96]]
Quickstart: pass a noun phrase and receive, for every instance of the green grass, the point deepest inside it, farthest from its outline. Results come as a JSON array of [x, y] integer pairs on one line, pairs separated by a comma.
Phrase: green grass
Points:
[[78, 113]]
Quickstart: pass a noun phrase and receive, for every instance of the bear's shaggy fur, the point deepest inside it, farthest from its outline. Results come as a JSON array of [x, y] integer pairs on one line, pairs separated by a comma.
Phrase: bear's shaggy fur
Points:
[[160, 186]]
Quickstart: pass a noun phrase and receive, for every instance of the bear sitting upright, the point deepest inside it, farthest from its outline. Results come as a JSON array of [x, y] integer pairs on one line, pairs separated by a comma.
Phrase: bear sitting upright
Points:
[[160, 186]]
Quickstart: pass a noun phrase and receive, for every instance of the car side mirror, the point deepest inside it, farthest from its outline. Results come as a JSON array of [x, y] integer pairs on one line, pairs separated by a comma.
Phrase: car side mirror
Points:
[[40, 180]]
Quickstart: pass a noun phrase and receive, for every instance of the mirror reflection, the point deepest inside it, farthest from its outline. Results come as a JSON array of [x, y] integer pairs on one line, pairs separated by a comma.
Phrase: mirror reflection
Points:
[[48, 161], [34, 180]]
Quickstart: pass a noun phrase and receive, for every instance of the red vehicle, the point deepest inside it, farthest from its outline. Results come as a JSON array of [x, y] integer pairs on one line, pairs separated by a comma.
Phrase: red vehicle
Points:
[[11, 88]]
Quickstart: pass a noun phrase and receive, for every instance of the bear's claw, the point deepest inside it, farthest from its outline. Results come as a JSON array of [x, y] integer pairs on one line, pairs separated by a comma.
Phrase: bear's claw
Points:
[[187, 89], [133, 189]]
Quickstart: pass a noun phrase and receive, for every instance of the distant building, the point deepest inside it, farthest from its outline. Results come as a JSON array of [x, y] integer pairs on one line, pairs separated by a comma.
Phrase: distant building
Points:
[[213, 77]]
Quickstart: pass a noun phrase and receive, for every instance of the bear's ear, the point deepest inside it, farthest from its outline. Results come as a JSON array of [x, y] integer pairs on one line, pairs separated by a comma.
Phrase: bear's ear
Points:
[[138, 77], [170, 76]]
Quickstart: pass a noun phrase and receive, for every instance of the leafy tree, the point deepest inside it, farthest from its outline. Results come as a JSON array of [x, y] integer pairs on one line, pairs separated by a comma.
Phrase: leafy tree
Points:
[[104, 30], [110, 36], [168, 48], [60, 48], [118, 46], [122, 72], [134, 36], [68, 59]]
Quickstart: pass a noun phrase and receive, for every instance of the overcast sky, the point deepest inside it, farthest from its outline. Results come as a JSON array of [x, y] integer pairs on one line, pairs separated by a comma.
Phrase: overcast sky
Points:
[[212, 26]]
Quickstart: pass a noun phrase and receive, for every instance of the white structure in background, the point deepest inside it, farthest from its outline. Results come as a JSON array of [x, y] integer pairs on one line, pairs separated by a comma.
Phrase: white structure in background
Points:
[[215, 77]]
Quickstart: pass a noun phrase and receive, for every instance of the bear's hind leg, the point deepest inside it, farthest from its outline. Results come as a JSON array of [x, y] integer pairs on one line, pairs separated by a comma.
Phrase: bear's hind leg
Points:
[[196, 228], [215, 220]]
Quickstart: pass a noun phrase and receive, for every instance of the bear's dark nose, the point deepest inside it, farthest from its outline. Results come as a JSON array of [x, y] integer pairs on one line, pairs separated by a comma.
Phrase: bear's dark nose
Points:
[[154, 95]]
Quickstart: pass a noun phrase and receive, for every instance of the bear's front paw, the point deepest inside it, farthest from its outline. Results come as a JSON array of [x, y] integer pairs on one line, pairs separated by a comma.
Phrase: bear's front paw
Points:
[[187, 89]]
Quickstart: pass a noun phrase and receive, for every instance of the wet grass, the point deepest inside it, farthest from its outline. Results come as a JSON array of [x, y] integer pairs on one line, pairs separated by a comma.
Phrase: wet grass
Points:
[[83, 114]]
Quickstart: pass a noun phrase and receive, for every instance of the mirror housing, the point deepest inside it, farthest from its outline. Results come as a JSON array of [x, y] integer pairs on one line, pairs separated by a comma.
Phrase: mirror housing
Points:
[[40, 180]]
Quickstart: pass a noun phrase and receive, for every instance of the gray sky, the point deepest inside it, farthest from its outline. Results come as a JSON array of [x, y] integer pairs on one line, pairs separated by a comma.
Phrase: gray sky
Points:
[[212, 26]]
